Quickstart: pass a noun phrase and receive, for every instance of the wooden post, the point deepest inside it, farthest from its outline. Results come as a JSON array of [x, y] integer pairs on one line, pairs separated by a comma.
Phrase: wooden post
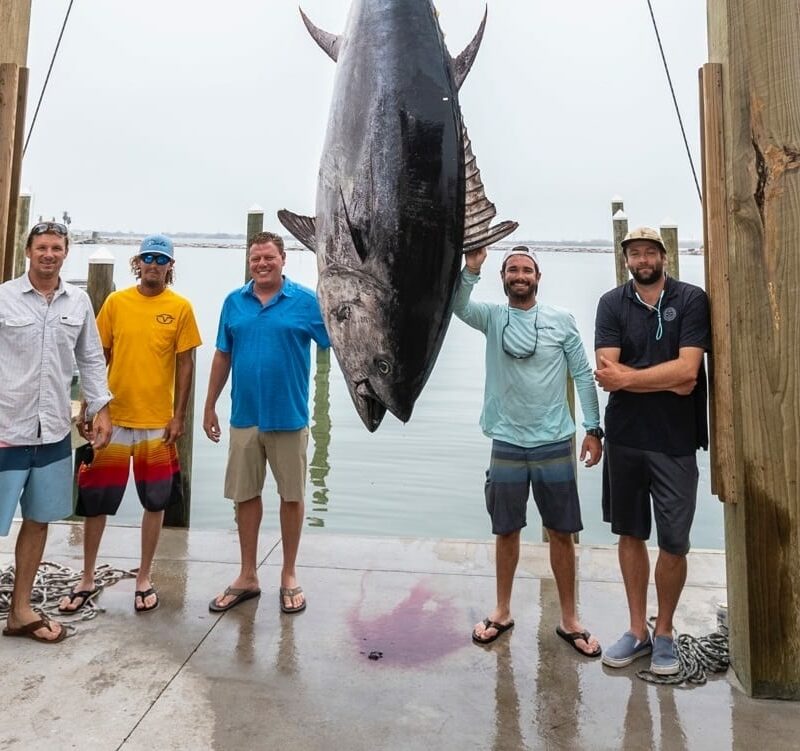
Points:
[[16, 174], [669, 234], [758, 50], [23, 222], [15, 21], [15, 17], [255, 224], [9, 83], [179, 514], [100, 281], [620, 222]]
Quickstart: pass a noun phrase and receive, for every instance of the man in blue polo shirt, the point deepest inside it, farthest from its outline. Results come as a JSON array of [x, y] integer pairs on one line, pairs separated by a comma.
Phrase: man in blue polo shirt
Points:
[[264, 339], [650, 337]]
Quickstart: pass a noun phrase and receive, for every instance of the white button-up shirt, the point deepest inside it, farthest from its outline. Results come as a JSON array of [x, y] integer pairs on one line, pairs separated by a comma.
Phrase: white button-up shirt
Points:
[[37, 343]]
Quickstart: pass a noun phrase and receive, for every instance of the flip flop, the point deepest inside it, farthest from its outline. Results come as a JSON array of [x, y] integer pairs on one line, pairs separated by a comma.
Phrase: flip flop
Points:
[[84, 594], [145, 593], [500, 628], [292, 592], [29, 628], [572, 636], [239, 595]]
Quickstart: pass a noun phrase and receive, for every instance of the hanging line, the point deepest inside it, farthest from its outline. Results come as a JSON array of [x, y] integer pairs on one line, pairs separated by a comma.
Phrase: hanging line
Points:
[[675, 101], [47, 78]]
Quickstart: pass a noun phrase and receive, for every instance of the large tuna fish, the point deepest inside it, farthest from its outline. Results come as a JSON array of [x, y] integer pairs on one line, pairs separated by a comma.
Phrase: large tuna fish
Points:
[[399, 198]]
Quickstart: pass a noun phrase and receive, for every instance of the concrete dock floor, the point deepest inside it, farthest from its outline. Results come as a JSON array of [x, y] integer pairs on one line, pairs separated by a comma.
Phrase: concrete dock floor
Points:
[[253, 678]]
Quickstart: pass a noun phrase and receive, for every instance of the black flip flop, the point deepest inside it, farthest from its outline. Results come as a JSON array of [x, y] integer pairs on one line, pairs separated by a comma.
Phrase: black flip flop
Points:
[[144, 594], [239, 595], [572, 636], [85, 594], [500, 628]]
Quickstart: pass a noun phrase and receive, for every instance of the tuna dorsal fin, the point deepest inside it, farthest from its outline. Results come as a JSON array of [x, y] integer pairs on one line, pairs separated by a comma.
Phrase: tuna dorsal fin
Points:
[[327, 41], [302, 227], [463, 63], [478, 209]]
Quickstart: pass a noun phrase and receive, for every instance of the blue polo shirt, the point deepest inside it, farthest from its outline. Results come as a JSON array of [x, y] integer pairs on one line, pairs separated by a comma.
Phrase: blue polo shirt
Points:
[[270, 349]]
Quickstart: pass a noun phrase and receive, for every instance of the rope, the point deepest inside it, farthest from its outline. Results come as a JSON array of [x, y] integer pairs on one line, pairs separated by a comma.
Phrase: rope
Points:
[[697, 657], [47, 77], [675, 102], [53, 581]]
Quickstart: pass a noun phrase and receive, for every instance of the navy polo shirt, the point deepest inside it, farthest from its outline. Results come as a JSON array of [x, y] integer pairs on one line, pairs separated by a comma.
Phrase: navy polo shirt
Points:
[[662, 420], [270, 349]]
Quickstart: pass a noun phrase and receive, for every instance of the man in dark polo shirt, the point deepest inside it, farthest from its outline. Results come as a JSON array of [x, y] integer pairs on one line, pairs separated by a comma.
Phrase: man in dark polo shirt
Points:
[[650, 337]]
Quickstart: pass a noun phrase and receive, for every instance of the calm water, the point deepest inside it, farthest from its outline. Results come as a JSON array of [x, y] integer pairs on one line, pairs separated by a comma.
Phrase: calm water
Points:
[[424, 478]]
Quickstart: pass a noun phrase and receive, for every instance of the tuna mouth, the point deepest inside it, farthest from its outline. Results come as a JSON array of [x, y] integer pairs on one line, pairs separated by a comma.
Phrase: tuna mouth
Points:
[[370, 409]]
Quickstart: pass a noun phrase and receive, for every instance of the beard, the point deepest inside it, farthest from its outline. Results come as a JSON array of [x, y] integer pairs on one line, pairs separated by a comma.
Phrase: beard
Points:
[[654, 276], [521, 295]]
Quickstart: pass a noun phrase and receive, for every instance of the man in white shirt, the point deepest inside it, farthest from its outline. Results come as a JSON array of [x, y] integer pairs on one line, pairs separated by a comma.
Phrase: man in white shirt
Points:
[[44, 322]]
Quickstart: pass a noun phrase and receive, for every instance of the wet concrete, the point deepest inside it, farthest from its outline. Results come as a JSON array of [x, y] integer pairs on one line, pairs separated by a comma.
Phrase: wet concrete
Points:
[[253, 678]]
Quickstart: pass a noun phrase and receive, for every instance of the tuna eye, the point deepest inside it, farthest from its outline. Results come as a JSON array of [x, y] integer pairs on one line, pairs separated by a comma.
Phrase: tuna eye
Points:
[[342, 313], [384, 368]]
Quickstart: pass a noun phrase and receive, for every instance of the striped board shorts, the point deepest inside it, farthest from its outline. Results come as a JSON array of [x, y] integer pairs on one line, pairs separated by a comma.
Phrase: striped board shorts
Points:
[[103, 475], [549, 470], [39, 478]]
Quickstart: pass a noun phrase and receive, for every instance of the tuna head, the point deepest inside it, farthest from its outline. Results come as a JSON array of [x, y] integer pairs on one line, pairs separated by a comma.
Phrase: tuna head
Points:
[[359, 314]]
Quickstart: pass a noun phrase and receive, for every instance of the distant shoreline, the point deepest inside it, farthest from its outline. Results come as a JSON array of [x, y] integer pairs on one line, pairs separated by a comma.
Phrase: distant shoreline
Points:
[[188, 240]]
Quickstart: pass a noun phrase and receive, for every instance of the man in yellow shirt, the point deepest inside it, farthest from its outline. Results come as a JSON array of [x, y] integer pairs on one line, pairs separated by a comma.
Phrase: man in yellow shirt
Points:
[[149, 335]]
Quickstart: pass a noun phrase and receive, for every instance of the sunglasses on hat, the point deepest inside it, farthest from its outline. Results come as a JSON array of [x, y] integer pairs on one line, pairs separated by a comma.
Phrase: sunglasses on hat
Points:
[[45, 228]]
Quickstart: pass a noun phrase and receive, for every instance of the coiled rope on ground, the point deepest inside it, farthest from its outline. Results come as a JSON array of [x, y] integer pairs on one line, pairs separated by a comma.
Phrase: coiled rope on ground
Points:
[[53, 581], [698, 656]]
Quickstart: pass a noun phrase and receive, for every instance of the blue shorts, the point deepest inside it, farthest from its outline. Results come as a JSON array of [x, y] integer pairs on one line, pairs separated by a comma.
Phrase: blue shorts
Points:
[[549, 470], [39, 478]]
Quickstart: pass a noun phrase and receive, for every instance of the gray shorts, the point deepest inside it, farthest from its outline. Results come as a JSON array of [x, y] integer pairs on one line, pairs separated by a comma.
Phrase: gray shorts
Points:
[[632, 476], [549, 470]]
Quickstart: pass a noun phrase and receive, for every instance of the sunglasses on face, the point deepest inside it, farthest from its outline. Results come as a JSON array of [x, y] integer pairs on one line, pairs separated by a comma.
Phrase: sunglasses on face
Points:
[[45, 228], [161, 260]]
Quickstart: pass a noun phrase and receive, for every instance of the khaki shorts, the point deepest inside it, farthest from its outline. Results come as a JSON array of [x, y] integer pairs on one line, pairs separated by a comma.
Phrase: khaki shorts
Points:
[[248, 454]]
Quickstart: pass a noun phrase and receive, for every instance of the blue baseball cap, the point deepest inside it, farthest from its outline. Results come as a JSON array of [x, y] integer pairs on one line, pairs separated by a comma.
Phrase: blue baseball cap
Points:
[[157, 244]]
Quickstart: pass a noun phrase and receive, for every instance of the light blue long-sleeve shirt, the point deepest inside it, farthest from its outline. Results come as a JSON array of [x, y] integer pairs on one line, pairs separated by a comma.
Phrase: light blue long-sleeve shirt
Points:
[[525, 400]]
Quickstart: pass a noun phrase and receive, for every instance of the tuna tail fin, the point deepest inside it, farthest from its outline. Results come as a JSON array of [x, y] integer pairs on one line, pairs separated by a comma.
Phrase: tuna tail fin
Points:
[[327, 41], [478, 209], [302, 227], [463, 63]]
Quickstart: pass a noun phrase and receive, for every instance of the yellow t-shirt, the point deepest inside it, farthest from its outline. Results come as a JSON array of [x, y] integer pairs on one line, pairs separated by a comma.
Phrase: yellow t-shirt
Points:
[[144, 334]]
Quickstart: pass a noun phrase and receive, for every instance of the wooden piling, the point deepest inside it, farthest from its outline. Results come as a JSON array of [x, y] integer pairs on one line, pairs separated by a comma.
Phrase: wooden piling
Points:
[[9, 86], [179, 514], [758, 247], [255, 224], [16, 175], [100, 282], [23, 222], [669, 234], [620, 223]]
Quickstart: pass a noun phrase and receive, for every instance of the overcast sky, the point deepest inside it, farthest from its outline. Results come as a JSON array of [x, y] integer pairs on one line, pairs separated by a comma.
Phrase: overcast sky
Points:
[[179, 115]]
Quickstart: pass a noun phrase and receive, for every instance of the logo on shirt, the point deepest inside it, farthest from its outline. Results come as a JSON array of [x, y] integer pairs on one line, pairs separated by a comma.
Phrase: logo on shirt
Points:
[[670, 314], [166, 318]]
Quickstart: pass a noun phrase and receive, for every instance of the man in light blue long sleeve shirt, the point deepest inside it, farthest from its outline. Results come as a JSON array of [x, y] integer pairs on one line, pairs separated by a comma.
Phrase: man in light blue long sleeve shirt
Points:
[[531, 348]]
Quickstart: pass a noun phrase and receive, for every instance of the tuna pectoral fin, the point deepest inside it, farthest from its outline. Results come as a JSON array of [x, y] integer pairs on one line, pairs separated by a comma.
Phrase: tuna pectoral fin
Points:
[[478, 209], [463, 62], [327, 41], [302, 227]]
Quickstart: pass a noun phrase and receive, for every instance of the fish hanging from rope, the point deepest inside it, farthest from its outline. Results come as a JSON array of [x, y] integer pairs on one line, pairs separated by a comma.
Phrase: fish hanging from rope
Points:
[[399, 198]]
